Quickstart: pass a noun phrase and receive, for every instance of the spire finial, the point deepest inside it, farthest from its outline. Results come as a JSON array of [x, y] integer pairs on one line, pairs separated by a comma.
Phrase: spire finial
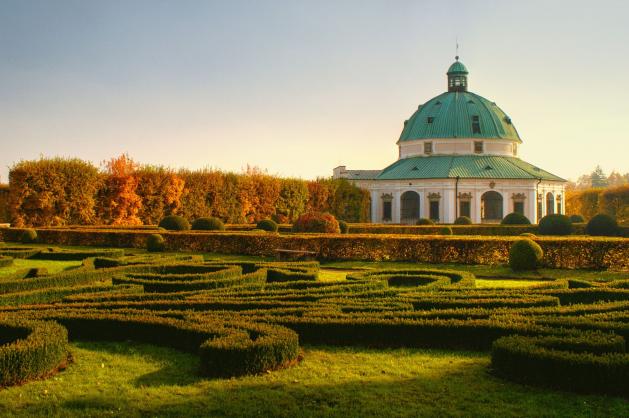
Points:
[[457, 49]]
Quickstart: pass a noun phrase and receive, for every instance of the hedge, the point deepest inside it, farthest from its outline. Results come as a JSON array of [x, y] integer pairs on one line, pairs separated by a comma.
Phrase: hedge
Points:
[[594, 363], [559, 252], [76, 255], [6, 261], [30, 349]]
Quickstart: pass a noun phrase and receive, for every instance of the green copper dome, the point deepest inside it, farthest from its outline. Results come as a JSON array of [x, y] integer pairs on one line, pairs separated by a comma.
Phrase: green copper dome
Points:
[[457, 68], [459, 113]]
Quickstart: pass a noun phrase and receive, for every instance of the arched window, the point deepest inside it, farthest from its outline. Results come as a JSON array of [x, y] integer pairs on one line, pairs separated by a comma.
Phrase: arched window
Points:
[[550, 203], [410, 207], [491, 206]]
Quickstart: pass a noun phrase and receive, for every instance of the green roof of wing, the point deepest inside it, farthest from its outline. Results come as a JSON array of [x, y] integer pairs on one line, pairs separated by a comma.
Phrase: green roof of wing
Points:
[[450, 115], [464, 166]]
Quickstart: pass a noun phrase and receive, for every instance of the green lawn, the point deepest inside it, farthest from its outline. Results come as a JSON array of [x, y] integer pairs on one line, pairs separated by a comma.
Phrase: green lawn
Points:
[[127, 379], [52, 266]]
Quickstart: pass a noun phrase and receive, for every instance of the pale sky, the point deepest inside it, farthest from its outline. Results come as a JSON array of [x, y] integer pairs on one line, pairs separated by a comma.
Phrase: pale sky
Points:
[[299, 87]]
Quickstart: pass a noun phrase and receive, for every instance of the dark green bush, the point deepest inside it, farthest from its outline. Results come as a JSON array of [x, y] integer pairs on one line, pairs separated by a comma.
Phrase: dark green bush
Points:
[[30, 349], [28, 236], [208, 224], [267, 225], [515, 218], [155, 243], [525, 255], [463, 220], [174, 223], [344, 227], [602, 225], [555, 224], [577, 219], [425, 221], [446, 230], [528, 235]]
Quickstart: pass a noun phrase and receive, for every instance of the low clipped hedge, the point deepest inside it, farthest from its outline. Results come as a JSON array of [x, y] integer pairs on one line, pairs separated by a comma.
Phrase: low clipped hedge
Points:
[[435, 277], [226, 348], [515, 218], [174, 223], [76, 255], [590, 362], [30, 349], [208, 224], [6, 261], [602, 225]]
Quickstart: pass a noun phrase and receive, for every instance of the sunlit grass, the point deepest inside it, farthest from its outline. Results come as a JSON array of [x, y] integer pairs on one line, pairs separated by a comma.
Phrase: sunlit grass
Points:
[[127, 379], [51, 266]]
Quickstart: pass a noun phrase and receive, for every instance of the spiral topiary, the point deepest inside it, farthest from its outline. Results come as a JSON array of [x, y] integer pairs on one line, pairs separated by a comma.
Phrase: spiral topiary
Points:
[[555, 224], [463, 220], [174, 223], [28, 236], [577, 219], [155, 243], [344, 227], [208, 224], [317, 222], [525, 254], [267, 225], [602, 225], [515, 218], [425, 221]]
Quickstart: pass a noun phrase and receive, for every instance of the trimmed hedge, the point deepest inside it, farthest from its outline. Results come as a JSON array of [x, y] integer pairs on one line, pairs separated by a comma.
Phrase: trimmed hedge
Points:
[[6, 261], [590, 362], [602, 225], [76, 255], [344, 227], [208, 224], [30, 350], [525, 254], [515, 218], [267, 225], [174, 223], [424, 221], [463, 220], [555, 224]]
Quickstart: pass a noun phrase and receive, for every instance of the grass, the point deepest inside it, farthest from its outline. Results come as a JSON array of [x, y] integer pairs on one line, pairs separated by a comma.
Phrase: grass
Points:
[[51, 266], [128, 379]]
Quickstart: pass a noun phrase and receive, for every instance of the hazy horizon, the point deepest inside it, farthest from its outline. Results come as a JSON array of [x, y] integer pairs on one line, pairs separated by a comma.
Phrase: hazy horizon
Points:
[[298, 88]]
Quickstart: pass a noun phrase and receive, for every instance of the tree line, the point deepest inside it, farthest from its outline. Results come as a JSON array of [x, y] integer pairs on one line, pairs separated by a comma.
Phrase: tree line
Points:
[[70, 191]]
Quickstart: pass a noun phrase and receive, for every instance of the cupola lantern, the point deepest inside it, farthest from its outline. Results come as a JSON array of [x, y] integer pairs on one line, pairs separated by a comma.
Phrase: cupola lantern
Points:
[[457, 76]]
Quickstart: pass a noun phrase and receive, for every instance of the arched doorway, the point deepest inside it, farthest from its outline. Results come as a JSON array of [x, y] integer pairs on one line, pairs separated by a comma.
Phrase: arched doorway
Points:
[[410, 207], [491, 206], [550, 203]]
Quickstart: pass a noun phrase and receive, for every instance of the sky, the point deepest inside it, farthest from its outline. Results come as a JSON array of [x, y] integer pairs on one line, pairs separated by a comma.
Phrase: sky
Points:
[[299, 87]]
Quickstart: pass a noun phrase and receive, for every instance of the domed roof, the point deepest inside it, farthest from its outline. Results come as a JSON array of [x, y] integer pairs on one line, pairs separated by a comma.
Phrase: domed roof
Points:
[[457, 67], [459, 113], [452, 115]]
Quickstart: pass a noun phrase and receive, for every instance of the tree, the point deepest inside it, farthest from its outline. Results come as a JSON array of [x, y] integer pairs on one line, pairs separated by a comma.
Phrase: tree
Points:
[[119, 202], [598, 178]]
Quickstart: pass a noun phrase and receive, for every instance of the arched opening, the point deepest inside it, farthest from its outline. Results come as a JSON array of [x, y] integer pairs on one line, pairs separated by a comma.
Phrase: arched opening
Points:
[[491, 206], [550, 203], [410, 207]]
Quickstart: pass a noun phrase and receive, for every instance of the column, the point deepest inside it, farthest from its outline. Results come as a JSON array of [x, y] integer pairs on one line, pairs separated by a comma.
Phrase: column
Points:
[[449, 203], [506, 203], [374, 206], [476, 214], [396, 207], [531, 206]]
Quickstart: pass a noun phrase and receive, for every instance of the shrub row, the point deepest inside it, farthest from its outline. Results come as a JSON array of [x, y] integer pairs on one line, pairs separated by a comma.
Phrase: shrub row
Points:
[[6, 261], [585, 363], [30, 350]]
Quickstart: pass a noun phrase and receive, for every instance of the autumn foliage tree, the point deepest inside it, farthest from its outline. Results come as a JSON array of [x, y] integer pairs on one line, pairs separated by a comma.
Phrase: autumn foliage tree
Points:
[[160, 190], [119, 203]]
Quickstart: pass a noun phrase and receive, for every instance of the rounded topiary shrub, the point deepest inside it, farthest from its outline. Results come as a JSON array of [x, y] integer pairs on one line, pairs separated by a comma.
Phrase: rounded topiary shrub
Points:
[[515, 218], [317, 222], [602, 225], [267, 225], [175, 223], [528, 235], [525, 254], [555, 224], [28, 236], [463, 220], [446, 230], [425, 221], [577, 219], [155, 243], [208, 224], [344, 227]]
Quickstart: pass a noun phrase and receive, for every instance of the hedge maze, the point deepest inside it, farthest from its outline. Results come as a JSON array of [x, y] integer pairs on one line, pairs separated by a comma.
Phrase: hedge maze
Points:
[[249, 317]]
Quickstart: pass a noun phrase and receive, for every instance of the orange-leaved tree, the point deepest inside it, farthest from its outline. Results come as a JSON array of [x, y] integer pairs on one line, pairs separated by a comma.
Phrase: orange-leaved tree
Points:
[[118, 201]]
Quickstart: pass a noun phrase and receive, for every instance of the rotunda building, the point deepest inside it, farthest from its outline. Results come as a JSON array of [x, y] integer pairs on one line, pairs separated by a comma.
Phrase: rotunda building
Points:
[[458, 156]]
